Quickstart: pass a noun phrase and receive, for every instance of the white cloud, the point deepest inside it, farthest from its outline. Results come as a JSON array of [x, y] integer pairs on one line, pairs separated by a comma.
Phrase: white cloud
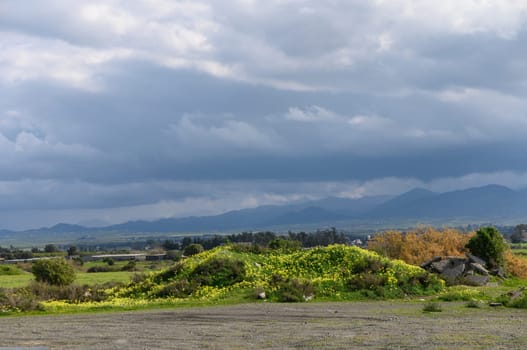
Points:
[[245, 41], [312, 114], [370, 122], [26, 58], [504, 18], [102, 15]]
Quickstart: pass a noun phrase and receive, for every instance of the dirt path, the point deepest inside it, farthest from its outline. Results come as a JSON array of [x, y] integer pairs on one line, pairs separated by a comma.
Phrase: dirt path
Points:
[[373, 325]]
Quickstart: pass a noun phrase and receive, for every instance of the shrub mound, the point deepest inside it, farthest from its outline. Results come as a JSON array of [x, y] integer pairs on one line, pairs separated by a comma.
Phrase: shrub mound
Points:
[[336, 272]]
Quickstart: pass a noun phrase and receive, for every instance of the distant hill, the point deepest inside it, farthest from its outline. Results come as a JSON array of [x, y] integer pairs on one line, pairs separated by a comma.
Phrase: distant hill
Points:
[[398, 206], [5, 232], [323, 211], [487, 204]]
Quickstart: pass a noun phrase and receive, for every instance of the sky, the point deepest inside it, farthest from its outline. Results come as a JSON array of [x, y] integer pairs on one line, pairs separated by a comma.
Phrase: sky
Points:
[[141, 109]]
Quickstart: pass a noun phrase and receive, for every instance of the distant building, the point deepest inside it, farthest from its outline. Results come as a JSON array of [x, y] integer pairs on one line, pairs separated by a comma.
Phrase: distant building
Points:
[[357, 242], [120, 257], [16, 261]]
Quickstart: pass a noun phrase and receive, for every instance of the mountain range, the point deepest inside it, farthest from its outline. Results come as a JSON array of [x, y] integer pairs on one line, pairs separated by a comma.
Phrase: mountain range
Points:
[[489, 204]]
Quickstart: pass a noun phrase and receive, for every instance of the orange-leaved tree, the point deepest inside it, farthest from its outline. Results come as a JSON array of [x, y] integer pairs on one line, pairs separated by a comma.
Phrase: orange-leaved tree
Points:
[[417, 246]]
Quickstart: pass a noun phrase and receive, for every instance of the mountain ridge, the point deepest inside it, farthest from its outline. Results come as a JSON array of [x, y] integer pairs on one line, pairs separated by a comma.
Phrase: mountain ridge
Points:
[[480, 204]]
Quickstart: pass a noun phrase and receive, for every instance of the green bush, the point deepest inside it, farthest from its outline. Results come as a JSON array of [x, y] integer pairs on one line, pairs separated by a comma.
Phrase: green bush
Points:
[[102, 269], [370, 265], [130, 266], [219, 272], [109, 261], [489, 245], [368, 281], [193, 249], [169, 273], [53, 271], [285, 244], [292, 290], [177, 289], [174, 255]]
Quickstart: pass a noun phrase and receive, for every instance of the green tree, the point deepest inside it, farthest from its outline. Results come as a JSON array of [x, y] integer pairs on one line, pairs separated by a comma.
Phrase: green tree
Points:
[[192, 249], [109, 261], [50, 248], [489, 245], [284, 244], [53, 271], [518, 233], [72, 250]]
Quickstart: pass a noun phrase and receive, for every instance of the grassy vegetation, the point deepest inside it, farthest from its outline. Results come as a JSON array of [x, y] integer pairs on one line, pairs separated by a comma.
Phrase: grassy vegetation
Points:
[[103, 277], [15, 281], [520, 251], [239, 273], [17, 278], [518, 245], [82, 278], [10, 270]]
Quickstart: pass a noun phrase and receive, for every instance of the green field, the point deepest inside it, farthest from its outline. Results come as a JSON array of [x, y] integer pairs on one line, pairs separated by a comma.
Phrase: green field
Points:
[[103, 277], [14, 276], [16, 281], [520, 252]]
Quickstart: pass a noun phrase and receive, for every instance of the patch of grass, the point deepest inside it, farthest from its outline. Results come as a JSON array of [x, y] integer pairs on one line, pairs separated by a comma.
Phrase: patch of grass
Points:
[[514, 283], [460, 293], [103, 277], [16, 281], [432, 307], [10, 270], [522, 251]]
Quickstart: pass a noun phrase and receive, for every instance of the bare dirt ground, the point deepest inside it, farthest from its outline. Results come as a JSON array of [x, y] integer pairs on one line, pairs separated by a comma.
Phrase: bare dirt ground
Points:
[[358, 325]]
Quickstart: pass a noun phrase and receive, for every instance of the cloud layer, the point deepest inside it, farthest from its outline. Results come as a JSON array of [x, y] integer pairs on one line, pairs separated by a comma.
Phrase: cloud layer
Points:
[[169, 108]]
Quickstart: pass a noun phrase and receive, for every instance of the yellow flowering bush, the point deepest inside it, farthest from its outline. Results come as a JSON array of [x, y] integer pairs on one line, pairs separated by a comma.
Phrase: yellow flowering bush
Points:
[[336, 272]]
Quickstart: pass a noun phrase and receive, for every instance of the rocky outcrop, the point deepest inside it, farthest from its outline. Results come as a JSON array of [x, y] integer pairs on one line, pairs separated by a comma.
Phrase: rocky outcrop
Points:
[[469, 270]]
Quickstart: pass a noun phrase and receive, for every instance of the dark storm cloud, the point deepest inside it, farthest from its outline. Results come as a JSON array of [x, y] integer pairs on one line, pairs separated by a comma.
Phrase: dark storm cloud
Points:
[[209, 106]]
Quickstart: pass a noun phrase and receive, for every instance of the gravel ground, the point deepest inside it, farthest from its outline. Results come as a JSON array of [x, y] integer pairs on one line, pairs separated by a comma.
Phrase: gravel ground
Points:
[[358, 325]]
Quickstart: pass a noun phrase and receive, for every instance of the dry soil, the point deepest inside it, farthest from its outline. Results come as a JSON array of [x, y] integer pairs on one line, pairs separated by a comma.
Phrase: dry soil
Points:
[[357, 325]]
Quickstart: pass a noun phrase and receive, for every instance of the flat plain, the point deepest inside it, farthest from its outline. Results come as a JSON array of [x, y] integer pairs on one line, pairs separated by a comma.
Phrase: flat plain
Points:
[[353, 325]]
